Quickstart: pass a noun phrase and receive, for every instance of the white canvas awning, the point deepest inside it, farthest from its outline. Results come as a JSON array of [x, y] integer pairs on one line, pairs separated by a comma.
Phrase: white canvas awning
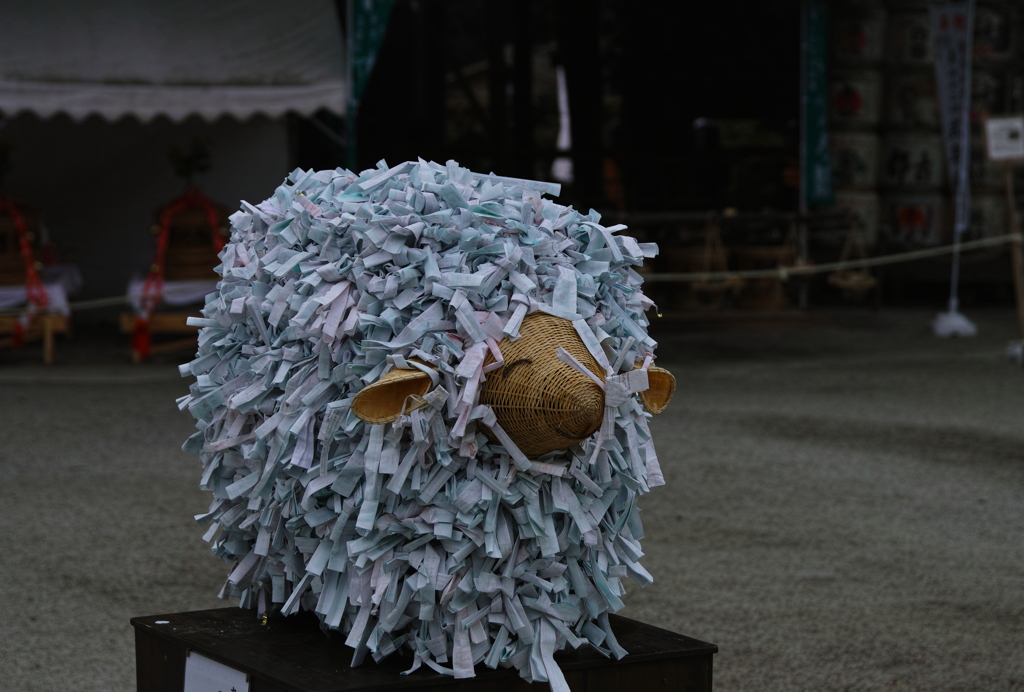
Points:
[[117, 58]]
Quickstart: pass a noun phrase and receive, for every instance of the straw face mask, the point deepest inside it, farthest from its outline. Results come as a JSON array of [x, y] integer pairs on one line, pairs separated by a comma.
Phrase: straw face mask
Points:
[[422, 398], [543, 403]]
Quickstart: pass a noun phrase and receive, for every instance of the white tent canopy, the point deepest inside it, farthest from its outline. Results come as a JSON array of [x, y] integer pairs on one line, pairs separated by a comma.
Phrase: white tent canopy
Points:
[[116, 58]]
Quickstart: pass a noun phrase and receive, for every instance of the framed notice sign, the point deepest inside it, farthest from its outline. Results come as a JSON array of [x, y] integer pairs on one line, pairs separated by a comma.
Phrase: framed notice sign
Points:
[[203, 674], [1004, 139]]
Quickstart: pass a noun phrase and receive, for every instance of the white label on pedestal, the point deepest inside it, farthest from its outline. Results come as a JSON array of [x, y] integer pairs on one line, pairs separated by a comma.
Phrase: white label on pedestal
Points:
[[205, 675], [1005, 137]]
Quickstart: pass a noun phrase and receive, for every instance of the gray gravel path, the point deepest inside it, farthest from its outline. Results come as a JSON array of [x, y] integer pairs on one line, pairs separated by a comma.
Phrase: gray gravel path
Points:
[[96, 505], [844, 510]]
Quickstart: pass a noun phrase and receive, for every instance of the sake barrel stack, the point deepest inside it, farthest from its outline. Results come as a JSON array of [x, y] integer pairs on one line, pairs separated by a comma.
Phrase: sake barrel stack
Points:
[[855, 113], [997, 88], [913, 174]]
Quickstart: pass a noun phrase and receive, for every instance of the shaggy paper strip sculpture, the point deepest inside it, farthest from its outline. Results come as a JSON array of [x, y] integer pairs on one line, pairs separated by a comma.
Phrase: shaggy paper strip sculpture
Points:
[[363, 434]]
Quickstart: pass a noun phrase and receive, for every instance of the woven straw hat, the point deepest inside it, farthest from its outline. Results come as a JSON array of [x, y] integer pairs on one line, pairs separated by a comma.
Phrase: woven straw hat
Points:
[[382, 401], [542, 403]]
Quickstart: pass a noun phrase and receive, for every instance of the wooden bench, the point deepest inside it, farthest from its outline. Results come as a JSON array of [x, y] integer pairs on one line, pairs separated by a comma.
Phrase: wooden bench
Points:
[[164, 323], [44, 327]]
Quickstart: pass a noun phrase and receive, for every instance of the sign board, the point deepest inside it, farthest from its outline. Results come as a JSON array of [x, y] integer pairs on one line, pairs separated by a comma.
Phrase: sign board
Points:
[[1004, 139], [206, 675]]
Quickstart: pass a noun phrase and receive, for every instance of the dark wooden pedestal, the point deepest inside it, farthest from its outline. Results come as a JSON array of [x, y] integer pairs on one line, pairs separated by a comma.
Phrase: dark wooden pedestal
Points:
[[293, 654]]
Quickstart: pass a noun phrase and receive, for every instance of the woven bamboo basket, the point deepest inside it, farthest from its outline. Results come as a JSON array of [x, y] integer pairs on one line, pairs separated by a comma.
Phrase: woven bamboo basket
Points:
[[383, 401], [539, 401], [186, 263], [190, 251], [768, 293], [854, 284]]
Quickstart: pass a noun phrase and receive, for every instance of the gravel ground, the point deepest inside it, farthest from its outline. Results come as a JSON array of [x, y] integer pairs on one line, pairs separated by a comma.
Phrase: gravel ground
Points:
[[843, 510]]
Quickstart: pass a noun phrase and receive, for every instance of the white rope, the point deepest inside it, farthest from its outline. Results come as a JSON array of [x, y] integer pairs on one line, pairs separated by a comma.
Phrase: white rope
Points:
[[782, 273], [785, 273], [80, 305]]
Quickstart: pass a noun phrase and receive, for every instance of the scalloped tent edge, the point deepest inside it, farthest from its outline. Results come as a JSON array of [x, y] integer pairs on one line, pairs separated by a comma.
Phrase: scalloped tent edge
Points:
[[116, 58]]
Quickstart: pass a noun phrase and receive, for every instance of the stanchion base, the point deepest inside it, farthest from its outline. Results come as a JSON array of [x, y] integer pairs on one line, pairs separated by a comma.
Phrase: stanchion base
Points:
[[952, 323]]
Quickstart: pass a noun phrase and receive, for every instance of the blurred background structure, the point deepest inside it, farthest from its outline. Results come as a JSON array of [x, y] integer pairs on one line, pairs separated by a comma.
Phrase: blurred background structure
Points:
[[94, 96], [681, 120]]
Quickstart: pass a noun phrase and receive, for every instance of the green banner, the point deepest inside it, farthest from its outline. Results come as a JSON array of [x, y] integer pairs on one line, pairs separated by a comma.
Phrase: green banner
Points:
[[815, 160], [367, 25]]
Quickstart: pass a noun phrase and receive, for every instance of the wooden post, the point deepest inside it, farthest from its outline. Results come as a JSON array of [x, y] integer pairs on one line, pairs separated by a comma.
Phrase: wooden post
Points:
[[48, 339], [1016, 252]]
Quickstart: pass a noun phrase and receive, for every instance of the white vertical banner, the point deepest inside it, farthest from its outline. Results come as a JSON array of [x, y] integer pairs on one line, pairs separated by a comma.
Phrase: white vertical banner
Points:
[[952, 37]]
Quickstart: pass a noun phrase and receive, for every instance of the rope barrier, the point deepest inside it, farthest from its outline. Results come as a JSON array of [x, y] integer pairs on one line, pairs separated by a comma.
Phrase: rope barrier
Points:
[[784, 273], [79, 305], [99, 303]]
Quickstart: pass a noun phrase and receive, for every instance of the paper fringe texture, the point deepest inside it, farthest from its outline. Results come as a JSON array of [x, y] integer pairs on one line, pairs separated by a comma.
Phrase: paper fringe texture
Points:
[[422, 534]]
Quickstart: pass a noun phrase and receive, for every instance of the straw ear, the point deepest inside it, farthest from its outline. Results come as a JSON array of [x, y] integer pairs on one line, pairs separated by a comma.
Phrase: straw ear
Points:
[[662, 387], [382, 401]]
